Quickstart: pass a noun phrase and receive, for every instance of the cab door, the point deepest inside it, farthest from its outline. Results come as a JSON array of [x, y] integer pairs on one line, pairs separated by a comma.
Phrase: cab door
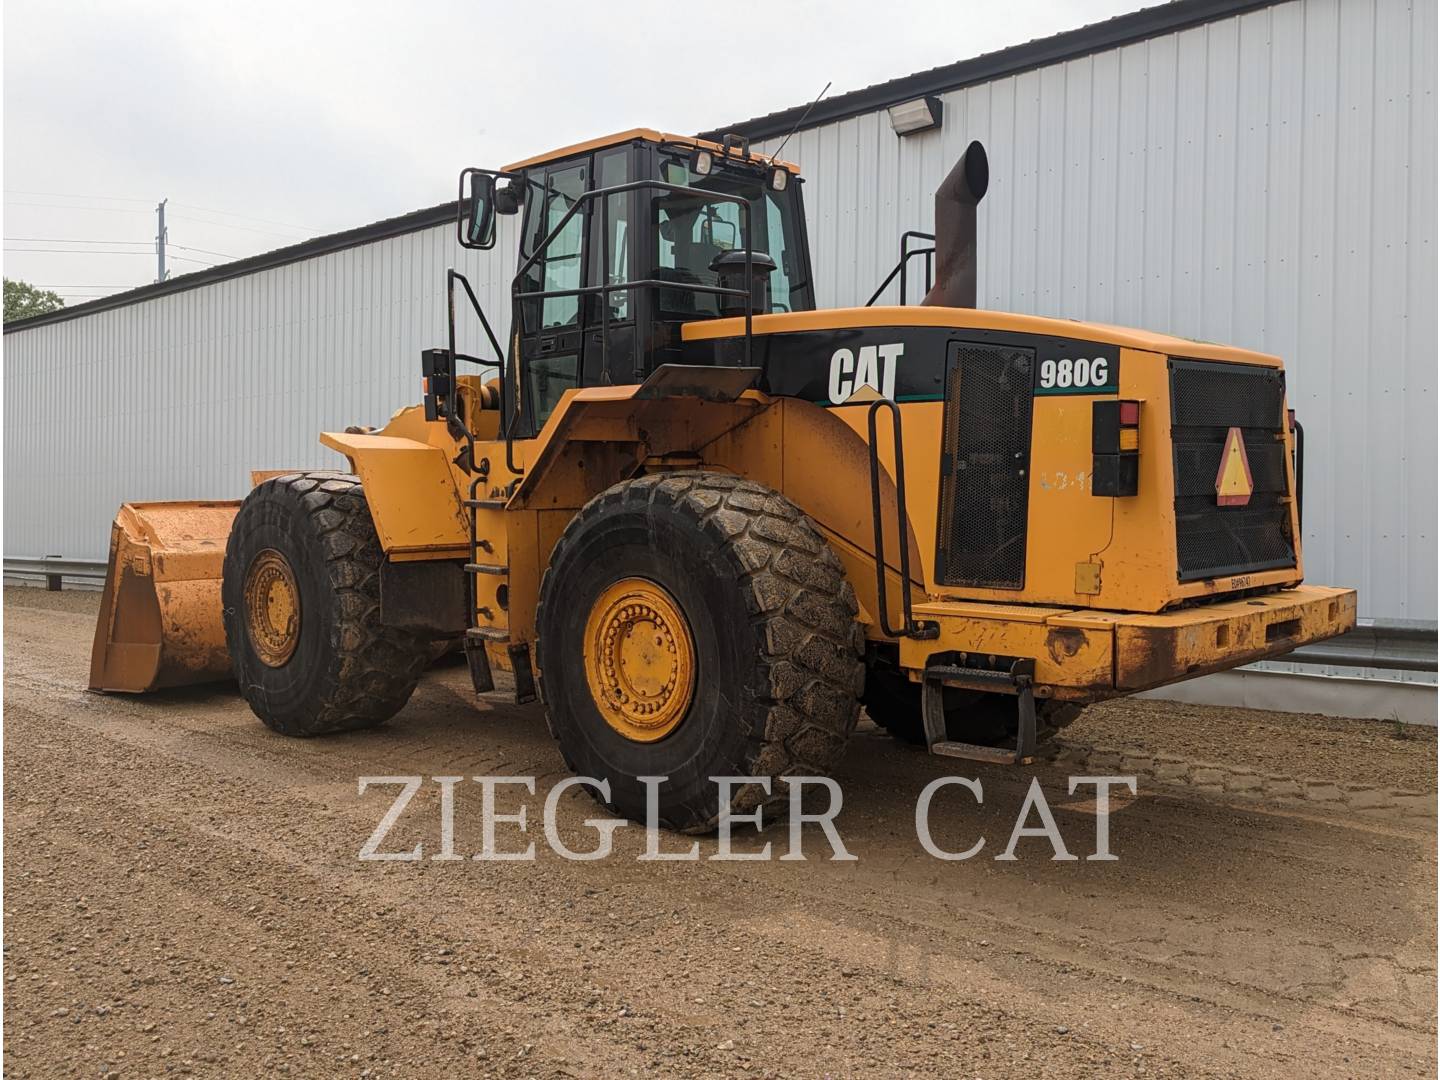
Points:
[[610, 318], [550, 328]]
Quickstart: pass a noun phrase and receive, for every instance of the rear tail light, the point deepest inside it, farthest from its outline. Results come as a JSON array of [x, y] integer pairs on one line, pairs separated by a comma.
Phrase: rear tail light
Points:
[[1115, 444]]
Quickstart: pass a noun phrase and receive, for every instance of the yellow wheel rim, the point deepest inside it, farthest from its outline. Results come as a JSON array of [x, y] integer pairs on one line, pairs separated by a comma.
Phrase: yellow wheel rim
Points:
[[639, 659], [272, 608]]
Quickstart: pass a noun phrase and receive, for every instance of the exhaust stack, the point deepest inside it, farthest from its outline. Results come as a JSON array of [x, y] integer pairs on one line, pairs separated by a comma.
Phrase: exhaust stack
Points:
[[955, 201]]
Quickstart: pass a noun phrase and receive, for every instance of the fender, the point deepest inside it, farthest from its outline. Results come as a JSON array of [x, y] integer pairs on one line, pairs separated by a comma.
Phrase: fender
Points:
[[819, 462], [412, 495]]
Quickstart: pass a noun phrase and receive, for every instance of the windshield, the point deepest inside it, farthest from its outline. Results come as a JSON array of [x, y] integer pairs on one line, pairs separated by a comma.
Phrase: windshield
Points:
[[692, 230]]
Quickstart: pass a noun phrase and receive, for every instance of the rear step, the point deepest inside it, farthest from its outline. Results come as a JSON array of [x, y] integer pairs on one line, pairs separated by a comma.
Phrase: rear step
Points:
[[481, 676], [1019, 680], [487, 633]]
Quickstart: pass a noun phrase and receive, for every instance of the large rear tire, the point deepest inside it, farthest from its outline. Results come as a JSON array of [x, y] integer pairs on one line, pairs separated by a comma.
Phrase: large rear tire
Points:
[[694, 625], [301, 597]]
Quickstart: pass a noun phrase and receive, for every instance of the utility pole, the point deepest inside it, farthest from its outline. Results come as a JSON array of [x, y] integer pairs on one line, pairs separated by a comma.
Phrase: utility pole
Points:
[[161, 236]]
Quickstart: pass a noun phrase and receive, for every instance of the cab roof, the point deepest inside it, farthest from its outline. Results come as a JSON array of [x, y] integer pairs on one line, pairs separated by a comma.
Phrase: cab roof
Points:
[[646, 134]]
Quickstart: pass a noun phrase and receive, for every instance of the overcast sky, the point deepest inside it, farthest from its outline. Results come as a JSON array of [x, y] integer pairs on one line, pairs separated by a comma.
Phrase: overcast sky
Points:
[[264, 122]]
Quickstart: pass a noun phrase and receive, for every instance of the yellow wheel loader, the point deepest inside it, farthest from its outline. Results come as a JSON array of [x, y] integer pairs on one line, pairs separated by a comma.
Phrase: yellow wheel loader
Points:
[[711, 521]]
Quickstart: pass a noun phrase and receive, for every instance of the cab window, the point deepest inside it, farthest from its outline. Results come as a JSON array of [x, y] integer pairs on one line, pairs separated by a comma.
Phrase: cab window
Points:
[[611, 169], [561, 266], [691, 230]]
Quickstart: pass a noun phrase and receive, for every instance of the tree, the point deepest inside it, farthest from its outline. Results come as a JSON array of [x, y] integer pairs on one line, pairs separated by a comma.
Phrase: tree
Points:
[[23, 300]]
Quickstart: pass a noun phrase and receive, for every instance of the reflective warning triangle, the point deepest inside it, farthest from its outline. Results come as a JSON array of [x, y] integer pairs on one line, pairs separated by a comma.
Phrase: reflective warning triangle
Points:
[[1233, 483]]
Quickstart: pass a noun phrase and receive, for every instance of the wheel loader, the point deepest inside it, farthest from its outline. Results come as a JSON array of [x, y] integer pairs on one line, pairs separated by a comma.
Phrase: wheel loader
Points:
[[705, 522]]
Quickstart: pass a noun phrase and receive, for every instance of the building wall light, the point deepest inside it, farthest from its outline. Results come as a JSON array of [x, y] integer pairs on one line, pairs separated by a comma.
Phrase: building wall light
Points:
[[922, 114]]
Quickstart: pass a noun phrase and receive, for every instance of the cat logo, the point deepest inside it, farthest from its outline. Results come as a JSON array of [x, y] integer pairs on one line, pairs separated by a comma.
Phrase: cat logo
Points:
[[1233, 483], [873, 370]]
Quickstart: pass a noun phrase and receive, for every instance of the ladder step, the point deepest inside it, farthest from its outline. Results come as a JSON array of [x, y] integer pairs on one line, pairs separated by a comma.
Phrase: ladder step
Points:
[[994, 755], [487, 504], [487, 633], [481, 677], [486, 568], [972, 678]]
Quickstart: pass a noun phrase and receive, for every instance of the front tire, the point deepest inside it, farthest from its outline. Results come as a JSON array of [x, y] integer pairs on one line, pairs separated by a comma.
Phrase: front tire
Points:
[[694, 625], [301, 595]]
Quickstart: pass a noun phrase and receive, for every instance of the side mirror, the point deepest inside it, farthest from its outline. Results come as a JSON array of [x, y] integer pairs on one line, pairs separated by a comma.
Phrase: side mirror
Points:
[[475, 222]]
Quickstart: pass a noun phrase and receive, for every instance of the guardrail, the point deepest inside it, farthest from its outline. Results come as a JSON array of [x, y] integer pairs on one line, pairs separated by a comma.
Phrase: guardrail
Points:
[[1391, 645], [54, 569]]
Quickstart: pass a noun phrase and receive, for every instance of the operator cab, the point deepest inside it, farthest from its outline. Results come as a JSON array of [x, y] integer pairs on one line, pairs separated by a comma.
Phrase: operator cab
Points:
[[682, 219]]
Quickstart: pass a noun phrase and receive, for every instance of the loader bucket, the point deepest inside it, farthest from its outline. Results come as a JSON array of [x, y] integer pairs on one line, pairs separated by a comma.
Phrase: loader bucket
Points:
[[160, 618]]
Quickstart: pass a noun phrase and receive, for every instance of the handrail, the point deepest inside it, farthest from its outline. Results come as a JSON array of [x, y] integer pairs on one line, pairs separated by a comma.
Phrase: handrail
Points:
[[920, 630], [453, 420], [451, 276], [906, 254], [1298, 463]]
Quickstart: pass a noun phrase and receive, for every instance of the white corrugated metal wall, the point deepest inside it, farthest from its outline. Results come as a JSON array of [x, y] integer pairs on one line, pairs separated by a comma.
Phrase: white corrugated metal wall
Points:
[[1266, 180], [179, 397]]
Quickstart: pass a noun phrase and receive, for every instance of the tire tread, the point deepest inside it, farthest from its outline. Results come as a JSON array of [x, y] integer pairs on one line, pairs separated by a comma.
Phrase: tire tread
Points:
[[803, 618], [374, 668]]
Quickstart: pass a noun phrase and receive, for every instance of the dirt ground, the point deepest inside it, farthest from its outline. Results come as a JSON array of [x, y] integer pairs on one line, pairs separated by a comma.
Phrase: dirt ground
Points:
[[184, 897]]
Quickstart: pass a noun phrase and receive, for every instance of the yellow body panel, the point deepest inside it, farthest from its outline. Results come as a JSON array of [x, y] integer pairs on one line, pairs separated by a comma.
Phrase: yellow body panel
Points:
[[1082, 551], [976, 319], [411, 493]]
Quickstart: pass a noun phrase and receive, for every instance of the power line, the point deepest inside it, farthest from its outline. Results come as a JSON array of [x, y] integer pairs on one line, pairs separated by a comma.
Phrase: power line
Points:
[[76, 251], [64, 195], [64, 240], [68, 209], [247, 217], [179, 217], [188, 206], [73, 251], [202, 251], [227, 225]]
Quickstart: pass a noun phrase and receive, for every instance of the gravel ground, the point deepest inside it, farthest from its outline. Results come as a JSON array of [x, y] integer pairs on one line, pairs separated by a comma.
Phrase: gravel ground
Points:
[[1294, 744], [185, 898]]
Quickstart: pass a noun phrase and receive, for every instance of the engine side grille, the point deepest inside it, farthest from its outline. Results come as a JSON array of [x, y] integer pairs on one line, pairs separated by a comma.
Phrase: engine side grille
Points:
[[985, 466], [1207, 400]]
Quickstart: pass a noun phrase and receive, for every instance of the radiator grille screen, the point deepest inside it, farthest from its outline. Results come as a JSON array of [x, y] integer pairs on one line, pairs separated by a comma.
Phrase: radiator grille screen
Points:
[[1207, 400], [985, 466]]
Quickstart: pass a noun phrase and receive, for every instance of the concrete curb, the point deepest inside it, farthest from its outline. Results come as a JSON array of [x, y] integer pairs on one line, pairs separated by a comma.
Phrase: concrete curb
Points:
[[1239, 781]]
